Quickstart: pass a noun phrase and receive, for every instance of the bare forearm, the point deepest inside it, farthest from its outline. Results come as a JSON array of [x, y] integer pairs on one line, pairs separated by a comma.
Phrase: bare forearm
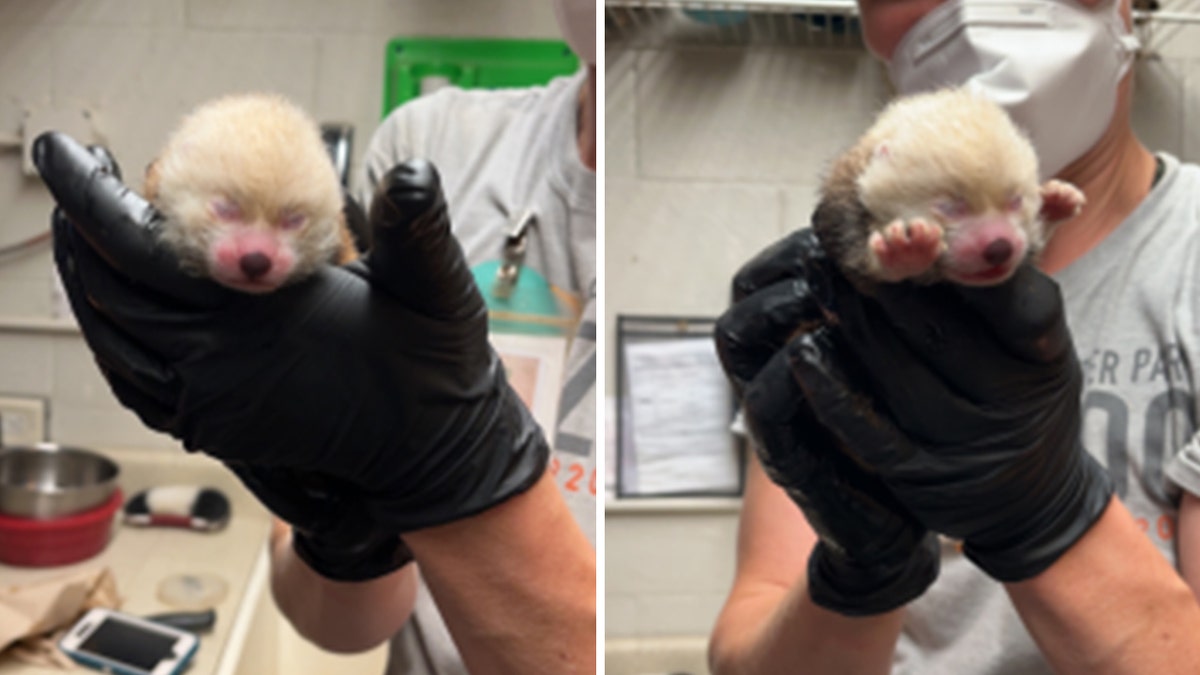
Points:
[[798, 637], [769, 624], [338, 616], [1188, 539], [516, 586], [1112, 605]]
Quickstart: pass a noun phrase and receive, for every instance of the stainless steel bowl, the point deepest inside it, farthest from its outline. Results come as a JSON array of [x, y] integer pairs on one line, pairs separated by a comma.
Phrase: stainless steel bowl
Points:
[[48, 481]]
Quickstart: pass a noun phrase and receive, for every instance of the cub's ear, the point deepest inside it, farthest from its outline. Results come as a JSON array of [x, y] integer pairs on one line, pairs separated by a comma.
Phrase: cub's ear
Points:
[[838, 213], [356, 227], [842, 226], [150, 185]]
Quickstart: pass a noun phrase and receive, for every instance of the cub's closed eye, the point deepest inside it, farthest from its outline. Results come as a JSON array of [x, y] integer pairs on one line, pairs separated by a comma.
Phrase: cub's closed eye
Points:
[[226, 209], [293, 221], [952, 208]]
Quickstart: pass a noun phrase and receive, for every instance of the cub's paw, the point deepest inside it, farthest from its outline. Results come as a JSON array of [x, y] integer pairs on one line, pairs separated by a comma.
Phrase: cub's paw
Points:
[[904, 250]]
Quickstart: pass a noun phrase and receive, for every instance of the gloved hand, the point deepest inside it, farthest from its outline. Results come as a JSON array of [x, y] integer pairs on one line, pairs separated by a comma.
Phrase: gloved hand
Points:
[[333, 529], [369, 390], [966, 402], [873, 556]]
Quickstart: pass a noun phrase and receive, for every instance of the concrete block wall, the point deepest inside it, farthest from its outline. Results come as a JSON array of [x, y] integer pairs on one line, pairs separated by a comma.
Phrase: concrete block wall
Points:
[[713, 152], [136, 66]]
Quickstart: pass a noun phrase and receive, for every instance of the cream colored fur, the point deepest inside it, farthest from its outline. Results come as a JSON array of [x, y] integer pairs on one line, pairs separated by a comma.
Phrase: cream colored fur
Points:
[[924, 147], [260, 151]]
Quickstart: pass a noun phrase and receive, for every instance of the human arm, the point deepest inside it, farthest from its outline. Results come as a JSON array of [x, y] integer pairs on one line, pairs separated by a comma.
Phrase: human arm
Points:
[[1188, 537], [359, 405], [1091, 612], [1111, 605], [338, 616], [967, 403], [521, 574], [516, 585], [820, 540], [892, 408], [797, 637]]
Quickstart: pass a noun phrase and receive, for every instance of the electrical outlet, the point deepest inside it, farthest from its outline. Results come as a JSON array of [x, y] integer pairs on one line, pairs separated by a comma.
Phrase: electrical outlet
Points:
[[22, 420]]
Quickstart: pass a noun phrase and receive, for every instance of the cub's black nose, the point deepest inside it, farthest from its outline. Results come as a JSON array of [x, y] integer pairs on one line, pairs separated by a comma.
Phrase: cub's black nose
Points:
[[998, 252], [254, 265]]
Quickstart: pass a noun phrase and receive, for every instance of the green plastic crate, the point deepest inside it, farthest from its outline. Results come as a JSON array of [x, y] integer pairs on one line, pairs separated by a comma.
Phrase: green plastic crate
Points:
[[471, 63]]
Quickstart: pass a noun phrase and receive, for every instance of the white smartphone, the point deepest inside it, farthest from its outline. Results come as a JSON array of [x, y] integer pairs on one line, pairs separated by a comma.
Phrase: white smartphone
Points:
[[127, 645]]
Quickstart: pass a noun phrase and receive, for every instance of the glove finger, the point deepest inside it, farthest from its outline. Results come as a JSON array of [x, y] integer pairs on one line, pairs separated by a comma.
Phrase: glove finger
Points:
[[928, 401], [795, 256], [929, 335], [755, 328], [838, 399], [124, 313], [121, 226], [333, 534], [1025, 313], [848, 506], [414, 256], [139, 380]]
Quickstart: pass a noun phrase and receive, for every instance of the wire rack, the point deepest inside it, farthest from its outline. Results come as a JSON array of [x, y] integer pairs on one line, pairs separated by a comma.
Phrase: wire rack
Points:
[[648, 23], [816, 23]]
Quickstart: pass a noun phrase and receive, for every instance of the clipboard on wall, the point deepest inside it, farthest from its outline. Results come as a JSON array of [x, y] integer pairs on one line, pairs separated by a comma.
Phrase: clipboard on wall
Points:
[[674, 411]]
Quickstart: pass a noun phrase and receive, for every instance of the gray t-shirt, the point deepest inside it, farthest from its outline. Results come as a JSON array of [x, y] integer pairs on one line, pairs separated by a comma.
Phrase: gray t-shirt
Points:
[[1133, 305], [500, 154]]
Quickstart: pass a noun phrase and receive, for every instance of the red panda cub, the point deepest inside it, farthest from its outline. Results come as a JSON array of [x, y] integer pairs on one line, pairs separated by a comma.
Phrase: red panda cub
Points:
[[943, 186], [249, 193]]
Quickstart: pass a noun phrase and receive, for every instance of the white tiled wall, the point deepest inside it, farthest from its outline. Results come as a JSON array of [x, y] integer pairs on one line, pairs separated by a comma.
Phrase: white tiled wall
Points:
[[137, 65], [712, 153]]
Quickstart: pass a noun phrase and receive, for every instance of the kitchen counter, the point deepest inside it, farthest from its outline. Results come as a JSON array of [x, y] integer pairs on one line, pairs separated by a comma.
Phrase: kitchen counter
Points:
[[141, 558]]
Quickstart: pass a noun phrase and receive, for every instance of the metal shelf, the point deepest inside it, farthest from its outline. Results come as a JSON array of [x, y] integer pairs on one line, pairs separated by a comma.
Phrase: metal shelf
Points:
[[650, 23], [816, 23]]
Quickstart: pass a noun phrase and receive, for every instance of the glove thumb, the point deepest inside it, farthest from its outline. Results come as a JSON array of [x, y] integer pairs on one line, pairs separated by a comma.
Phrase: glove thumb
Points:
[[413, 254], [119, 224]]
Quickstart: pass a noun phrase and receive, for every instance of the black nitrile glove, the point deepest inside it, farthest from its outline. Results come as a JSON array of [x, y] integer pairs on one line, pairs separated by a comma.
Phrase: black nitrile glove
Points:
[[966, 402], [333, 530], [873, 556], [368, 389]]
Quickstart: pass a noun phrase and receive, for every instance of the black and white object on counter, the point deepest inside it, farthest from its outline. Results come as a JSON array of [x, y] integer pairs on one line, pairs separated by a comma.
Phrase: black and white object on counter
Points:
[[186, 506]]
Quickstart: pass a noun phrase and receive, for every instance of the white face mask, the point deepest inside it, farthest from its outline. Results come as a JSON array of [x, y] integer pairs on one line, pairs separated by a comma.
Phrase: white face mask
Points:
[[577, 21], [1053, 65]]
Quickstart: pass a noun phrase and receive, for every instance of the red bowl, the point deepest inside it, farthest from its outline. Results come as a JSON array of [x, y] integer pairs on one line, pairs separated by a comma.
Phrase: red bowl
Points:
[[57, 541]]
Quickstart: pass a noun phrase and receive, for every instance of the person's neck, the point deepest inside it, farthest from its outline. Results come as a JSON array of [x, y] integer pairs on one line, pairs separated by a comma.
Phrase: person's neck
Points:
[[1115, 176], [586, 120]]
